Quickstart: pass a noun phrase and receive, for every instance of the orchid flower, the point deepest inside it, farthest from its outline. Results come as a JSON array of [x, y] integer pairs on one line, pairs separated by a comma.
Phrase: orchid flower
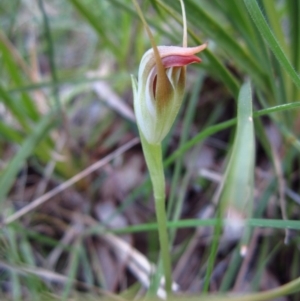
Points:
[[158, 94]]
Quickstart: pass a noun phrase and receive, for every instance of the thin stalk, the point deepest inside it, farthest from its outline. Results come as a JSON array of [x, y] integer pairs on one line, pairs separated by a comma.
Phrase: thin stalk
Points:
[[51, 53], [212, 255], [153, 156]]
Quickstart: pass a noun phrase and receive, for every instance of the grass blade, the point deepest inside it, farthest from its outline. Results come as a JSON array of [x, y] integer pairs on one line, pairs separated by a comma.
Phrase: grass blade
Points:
[[14, 63], [193, 223], [51, 53], [14, 108], [268, 35], [9, 175], [94, 23], [9, 134]]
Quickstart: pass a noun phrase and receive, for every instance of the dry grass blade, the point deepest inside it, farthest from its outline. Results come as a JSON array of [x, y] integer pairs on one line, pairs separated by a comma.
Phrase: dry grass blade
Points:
[[105, 92], [136, 262], [39, 201], [281, 190], [240, 279], [51, 276]]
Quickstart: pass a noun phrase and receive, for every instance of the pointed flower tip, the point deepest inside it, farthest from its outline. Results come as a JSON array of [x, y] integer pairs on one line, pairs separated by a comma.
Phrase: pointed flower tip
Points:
[[165, 51], [194, 50], [173, 56], [201, 47]]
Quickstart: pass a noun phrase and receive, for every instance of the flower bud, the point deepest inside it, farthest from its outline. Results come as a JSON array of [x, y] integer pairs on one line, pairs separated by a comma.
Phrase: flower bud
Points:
[[159, 92]]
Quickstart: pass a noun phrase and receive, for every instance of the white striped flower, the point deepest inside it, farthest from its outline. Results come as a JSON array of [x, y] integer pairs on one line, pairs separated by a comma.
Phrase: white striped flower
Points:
[[158, 94]]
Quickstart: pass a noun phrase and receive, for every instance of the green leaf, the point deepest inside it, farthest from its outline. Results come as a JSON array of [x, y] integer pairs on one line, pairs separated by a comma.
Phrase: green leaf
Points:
[[236, 199]]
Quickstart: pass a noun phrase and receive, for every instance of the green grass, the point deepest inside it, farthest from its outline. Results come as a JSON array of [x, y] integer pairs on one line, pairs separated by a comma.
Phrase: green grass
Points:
[[54, 124]]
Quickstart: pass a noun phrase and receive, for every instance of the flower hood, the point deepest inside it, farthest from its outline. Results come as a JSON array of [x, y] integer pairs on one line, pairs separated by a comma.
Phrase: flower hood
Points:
[[158, 94]]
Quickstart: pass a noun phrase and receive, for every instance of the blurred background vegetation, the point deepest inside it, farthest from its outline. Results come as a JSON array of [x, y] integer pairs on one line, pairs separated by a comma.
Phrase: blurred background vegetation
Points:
[[77, 214]]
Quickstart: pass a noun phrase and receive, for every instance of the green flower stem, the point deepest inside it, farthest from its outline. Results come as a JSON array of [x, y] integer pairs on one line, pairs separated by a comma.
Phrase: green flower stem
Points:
[[153, 156]]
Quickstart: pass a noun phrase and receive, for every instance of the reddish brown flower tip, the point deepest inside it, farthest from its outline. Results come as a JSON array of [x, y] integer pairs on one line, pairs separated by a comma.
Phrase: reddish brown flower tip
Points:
[[179, 60]]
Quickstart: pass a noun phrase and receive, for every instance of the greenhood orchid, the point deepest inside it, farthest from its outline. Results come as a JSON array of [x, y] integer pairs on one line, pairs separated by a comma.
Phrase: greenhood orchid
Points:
[[158, 95], [159, 92]]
